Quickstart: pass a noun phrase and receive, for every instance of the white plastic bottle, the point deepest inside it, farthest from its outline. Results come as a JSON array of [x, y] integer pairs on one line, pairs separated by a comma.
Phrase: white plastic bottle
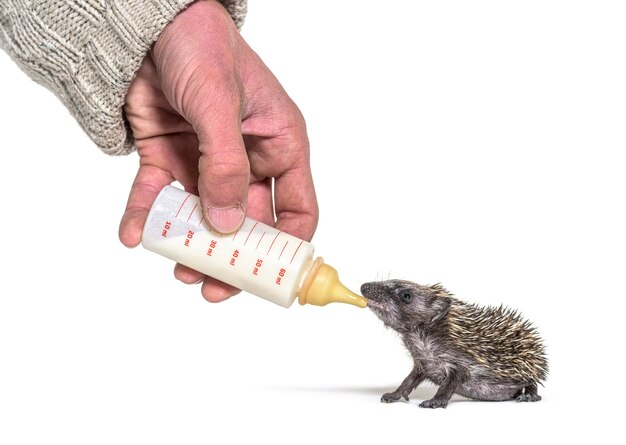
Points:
[[257, 258]]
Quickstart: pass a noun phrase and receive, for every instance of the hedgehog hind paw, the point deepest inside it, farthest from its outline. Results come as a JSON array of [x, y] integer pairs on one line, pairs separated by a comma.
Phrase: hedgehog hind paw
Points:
[[528, 397], [528, 393]]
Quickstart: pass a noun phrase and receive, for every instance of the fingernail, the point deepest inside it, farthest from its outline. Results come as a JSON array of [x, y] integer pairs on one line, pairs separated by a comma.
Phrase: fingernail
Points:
[[225, 220]]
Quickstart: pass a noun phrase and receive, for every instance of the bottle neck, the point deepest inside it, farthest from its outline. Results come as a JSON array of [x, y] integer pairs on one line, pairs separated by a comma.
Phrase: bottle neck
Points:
[[322, 286]]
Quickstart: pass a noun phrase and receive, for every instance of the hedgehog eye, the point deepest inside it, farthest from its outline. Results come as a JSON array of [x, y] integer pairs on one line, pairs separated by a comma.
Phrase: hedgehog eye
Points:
[[406, 297]]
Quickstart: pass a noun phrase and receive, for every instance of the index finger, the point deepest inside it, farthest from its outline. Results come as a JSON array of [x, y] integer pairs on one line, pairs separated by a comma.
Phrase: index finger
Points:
[[147, 185], [297, 212]]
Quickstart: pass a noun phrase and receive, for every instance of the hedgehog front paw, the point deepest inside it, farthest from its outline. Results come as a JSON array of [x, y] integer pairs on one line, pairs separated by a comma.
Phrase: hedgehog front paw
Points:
[[391, 397], [528, 398], [434, 403]]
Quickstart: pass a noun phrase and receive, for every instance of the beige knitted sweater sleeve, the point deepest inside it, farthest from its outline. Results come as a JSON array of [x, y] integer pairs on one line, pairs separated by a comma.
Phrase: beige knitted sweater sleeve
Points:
[[88, 51]]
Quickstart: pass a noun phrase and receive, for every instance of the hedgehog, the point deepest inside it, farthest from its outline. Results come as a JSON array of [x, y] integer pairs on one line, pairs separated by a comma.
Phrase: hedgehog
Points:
[[482, 353]]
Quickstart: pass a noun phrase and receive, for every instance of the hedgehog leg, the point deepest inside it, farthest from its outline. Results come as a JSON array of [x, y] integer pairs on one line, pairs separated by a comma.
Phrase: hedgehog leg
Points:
[[446, 389], [530, 394], [406, 387]]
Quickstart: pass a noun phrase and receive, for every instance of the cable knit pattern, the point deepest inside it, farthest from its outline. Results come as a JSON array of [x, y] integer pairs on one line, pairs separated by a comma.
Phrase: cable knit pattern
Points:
[[88, 51]]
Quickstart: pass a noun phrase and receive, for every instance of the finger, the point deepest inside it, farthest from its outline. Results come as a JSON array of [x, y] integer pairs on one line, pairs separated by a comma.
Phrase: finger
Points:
[[296, 204], [215, 291], [285, 156], [223, 167], [260, 202], [187, 275], [147, 185], [212, 289]]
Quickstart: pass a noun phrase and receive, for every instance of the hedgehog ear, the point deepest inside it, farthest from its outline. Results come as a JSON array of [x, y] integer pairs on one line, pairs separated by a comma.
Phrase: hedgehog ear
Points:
[[441, 308]]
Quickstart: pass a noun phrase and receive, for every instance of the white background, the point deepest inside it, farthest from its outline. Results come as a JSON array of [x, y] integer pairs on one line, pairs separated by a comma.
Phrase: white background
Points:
[[478, 144]]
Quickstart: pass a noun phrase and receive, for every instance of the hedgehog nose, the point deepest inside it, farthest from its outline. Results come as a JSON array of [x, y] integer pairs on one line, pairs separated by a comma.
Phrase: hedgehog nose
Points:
[[366, 288]]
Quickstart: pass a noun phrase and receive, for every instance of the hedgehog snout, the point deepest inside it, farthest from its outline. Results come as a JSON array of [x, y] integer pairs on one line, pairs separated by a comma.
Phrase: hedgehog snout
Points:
[[366, 289], [372, 291]]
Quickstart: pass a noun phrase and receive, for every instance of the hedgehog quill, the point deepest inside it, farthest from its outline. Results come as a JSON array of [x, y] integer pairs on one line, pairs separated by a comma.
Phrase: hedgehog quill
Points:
[[482, 353]]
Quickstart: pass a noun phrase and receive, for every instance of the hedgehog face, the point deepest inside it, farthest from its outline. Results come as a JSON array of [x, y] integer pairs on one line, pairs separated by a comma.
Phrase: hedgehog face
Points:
[[404, 305]]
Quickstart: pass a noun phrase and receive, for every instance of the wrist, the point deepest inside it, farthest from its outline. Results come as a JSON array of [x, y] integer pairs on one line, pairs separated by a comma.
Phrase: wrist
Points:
[[200, 13]]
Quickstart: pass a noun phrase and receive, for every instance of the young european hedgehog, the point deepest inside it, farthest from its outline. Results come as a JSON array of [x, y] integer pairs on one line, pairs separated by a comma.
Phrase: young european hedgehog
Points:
[[483, 353]]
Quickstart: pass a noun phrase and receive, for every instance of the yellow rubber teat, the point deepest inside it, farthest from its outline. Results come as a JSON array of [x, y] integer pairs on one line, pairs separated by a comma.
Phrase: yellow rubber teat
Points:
[[322, 286]]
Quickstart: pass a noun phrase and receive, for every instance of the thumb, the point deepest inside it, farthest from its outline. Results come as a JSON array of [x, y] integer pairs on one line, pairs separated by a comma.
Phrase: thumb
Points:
[[224, 169]]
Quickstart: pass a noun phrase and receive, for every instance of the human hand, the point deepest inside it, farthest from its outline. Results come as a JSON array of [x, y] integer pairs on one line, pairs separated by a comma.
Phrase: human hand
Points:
[[206, 112]]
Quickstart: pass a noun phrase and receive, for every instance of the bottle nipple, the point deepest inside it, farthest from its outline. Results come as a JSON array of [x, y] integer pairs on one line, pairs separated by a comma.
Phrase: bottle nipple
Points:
[[322, 286]]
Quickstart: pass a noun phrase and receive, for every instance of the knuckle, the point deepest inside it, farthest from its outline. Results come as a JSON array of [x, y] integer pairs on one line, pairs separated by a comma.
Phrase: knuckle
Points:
[[227, 164], [293, 120]]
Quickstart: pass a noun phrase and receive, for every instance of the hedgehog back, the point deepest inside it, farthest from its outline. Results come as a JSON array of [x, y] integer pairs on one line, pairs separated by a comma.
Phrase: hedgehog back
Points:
[[499, 339]]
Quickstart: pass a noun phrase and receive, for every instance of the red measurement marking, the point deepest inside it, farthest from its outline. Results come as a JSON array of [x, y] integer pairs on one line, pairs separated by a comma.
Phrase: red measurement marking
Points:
[[181, 206], [192, 210], [281, 252], [268, 250], [236, 233], [259, 243], [248, 237], [200, 223], [294, 254]]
